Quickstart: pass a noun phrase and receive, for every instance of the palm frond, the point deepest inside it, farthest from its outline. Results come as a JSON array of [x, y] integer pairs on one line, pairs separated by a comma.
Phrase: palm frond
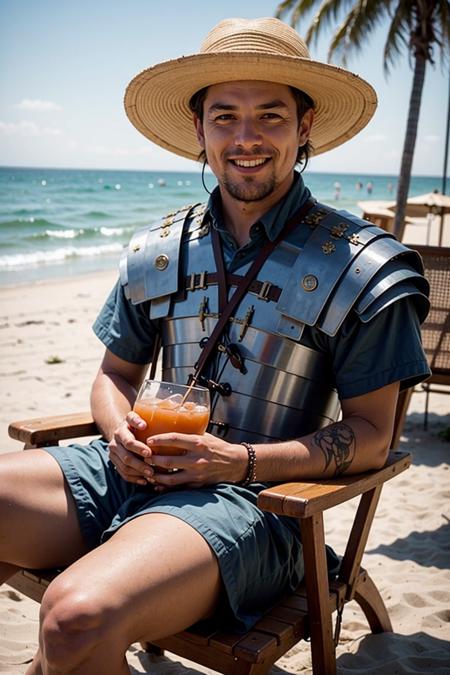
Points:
[[302, 9], [351, 36], [442, 27], [398, 36], [327, 14], [299, 8], [283, 8]]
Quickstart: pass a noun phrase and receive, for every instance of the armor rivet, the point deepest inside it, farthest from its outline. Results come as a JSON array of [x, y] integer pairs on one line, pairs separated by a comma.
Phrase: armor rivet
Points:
[[161, 262], [357, 270], [310, 282], [328, 247]]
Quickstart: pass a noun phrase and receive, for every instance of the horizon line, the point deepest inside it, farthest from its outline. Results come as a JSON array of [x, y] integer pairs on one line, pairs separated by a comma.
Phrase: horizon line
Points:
[[78, 168]]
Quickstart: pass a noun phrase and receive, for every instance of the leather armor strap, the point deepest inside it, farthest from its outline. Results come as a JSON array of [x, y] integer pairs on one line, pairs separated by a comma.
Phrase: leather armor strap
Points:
[[244, 283], [265, 289]]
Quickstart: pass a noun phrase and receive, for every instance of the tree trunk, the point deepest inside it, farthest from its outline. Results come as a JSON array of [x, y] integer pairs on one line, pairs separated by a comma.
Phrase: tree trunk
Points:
[[409, 144]]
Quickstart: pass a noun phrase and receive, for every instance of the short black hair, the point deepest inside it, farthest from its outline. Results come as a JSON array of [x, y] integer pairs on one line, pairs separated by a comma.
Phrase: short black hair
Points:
[[302, 100]]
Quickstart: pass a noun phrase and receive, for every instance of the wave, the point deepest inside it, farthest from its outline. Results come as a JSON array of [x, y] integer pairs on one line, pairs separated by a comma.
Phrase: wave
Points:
[[61, 234], [99, 215], [73, 233], [41, 230], [114, 231], [23, 212], [58, 255], [27, 222]]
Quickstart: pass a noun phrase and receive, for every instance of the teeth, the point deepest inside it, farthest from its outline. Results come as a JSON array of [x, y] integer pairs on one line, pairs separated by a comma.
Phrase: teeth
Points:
[[249, 162]]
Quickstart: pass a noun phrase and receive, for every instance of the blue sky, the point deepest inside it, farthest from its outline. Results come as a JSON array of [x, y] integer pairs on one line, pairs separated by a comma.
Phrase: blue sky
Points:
[[64, 66]]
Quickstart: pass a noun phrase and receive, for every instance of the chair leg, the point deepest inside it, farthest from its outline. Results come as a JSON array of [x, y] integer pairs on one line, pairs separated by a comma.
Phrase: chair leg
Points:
[[427, 400], [404, 399], [152, 649], [323, 650], [369, 599]]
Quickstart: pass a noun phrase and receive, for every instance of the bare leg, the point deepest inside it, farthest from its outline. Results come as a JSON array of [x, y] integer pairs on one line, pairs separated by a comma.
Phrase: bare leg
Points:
[[38, 521], [153, 578]]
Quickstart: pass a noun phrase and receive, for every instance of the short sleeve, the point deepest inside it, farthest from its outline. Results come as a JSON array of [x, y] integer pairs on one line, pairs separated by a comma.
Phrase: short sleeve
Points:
[[368, 356], [126, 329]]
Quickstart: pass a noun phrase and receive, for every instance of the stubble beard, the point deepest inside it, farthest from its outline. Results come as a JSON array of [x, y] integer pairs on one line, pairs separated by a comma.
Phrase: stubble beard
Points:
[[249, 189]]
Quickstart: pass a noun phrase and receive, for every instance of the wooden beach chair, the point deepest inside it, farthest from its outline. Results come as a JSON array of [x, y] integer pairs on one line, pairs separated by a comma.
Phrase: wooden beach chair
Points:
[[307, 613], [436, 327]]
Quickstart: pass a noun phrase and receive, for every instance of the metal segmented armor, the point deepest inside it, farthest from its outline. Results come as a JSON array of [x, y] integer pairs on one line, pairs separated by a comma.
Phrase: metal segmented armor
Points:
[[265, 384]]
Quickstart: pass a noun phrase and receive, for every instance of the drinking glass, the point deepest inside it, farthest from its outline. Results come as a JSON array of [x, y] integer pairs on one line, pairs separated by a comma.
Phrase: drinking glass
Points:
[[167, 406]]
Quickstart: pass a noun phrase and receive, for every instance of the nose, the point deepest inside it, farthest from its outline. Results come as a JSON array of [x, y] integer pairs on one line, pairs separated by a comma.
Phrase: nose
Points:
[[247, 134]]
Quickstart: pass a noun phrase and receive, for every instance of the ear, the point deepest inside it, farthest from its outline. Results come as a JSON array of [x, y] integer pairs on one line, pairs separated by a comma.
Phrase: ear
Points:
[[305, 127], [199, 131]]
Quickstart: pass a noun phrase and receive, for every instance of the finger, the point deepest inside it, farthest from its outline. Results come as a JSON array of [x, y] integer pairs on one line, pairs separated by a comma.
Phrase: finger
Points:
[[137, 480], [135, 421], [127, 470], [130, 475], [124, 437], [129, 465], [173, 478], [171, 462], [176, 440]]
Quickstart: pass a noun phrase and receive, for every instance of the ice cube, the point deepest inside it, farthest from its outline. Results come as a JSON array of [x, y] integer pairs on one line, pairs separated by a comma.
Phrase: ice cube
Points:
[[171, 402]]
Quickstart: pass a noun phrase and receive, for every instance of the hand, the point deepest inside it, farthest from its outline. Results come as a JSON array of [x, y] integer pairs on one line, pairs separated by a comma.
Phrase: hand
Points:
[[201, 460], [126, 452]]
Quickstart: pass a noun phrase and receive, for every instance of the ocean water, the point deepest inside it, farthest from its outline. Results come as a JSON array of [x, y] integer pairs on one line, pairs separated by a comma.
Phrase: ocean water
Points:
[[66, 222]]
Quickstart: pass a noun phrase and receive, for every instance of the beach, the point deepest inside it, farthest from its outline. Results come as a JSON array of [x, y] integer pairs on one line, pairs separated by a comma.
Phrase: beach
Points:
[[48, 359]]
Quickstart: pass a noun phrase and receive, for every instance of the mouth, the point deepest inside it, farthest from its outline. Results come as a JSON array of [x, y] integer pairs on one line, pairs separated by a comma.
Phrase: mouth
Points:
[[249, 164]]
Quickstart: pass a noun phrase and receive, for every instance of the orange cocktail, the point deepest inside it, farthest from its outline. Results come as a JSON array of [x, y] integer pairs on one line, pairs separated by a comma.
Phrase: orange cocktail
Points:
[[169, 407]]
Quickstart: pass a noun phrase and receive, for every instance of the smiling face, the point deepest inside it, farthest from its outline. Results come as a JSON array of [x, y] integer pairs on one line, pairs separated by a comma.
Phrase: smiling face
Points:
[[250, 132]]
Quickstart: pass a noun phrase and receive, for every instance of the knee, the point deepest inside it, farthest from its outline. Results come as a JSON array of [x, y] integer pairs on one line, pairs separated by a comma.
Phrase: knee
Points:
[[73, 624]]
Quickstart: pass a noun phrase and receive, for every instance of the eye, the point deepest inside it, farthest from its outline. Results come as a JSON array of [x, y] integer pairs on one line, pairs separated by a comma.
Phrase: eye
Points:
[[224, 117], [271, 116]]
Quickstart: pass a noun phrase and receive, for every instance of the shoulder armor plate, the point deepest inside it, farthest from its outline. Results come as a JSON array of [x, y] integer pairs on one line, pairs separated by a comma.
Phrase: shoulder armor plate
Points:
[[347, 260], [149, 266]]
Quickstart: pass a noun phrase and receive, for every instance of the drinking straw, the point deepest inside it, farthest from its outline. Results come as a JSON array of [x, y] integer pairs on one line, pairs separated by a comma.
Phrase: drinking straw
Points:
[[183, 400]]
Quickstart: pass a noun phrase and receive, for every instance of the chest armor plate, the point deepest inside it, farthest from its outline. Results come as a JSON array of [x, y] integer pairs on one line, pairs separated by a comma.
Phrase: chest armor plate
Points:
[[287, 389]]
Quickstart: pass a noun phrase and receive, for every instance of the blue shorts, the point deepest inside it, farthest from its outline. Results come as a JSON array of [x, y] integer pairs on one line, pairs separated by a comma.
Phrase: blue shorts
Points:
[[259, 554]]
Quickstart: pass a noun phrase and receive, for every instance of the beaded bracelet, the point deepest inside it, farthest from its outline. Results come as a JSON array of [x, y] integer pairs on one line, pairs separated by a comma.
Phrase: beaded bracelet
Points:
[[251, 470]]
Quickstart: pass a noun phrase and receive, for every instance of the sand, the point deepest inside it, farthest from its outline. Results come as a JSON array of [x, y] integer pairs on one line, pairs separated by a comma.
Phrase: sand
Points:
[[48, 358]]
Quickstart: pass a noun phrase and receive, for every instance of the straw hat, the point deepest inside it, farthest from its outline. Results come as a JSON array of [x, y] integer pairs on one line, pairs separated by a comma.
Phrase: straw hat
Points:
[[157, 100]]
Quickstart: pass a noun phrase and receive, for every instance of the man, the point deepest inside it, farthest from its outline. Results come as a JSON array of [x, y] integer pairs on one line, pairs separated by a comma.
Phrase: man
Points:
[[331, 317]]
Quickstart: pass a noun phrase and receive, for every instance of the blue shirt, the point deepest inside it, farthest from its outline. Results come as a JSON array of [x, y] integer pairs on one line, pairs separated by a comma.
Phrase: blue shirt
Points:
[[267, 227]]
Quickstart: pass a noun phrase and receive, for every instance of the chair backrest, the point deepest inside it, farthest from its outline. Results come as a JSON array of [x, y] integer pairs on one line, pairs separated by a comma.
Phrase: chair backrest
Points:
[[436, 328]]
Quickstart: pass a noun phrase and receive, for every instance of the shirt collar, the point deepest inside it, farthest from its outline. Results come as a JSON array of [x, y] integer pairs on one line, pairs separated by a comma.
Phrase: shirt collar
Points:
[[274, 220]]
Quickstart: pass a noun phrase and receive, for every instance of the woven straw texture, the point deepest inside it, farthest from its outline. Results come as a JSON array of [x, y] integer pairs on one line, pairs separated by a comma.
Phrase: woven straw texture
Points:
[[157, 99]]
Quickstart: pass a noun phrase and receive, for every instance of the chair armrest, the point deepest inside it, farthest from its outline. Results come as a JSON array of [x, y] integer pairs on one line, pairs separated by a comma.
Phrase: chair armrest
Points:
[[49, 430], [304, 499]]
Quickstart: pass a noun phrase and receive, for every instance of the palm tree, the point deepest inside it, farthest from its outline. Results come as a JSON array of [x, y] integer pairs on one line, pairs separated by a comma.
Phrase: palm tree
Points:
[[420, 25]]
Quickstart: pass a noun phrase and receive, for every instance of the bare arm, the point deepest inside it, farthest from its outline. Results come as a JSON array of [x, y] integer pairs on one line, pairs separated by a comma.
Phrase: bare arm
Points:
[[357, 443], [113, 392], [112, 396]]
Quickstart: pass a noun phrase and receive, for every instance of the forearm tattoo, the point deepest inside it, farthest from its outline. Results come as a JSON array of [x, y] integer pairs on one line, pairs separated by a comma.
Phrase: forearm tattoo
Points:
[[338, 444]]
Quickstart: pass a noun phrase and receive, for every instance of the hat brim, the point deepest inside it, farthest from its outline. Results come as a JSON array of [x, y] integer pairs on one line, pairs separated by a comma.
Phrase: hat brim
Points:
[[157, 99]]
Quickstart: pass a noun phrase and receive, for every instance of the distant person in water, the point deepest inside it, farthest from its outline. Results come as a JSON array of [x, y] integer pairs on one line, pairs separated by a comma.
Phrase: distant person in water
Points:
[[369, 187]]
